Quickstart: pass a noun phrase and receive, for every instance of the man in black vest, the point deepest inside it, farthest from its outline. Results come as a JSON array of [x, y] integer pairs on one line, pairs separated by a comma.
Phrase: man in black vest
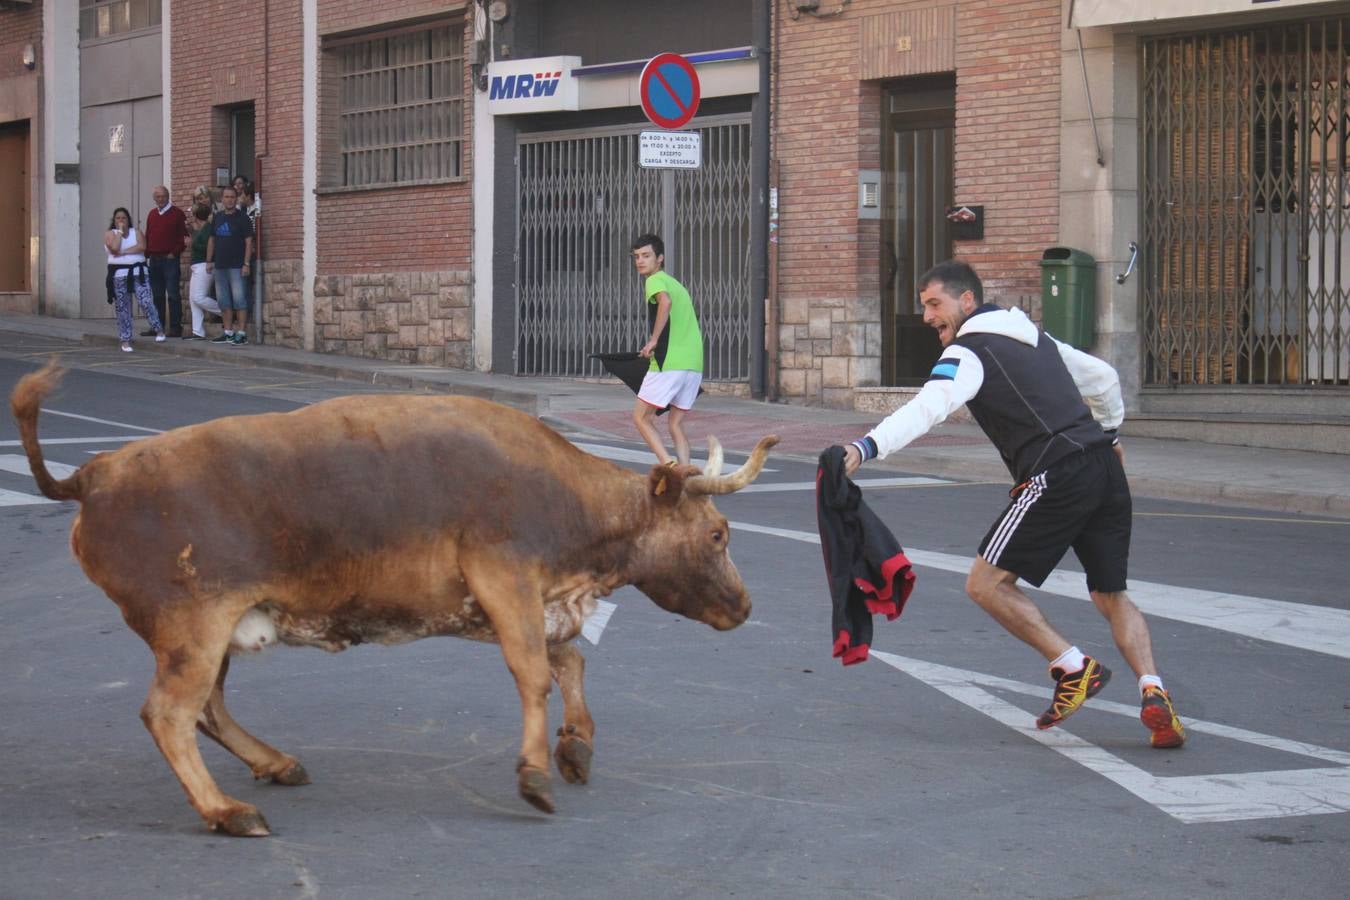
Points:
[[1052, 412]]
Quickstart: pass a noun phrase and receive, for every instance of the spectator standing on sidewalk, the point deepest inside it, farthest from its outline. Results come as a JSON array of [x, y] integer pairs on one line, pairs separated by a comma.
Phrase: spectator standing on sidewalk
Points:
[[127, 275], [242, 186], [1052, 412], [166, 235], [202, 194], [675, 348], [228, 250], [200, 302]]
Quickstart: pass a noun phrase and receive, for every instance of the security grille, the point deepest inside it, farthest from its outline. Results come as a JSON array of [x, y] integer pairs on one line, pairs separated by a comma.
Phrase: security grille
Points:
[[582, 199], [401, 107], [1247, 207]]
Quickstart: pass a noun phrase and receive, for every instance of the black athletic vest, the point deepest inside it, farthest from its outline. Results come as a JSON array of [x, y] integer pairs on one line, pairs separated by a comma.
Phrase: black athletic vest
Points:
[[1029, 405]]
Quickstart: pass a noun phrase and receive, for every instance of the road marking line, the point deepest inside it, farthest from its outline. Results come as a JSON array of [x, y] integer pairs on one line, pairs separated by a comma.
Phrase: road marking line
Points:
[[70, 415], [18, 498], [264, 387], [623, 454], [111, 439], [58, 350], [909, 481], [1302, 625], [12, 462], [1224, 797], [1166, 515]]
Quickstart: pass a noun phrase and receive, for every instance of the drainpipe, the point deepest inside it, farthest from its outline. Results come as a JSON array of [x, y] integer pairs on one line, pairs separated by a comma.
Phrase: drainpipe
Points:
[[759, 199]]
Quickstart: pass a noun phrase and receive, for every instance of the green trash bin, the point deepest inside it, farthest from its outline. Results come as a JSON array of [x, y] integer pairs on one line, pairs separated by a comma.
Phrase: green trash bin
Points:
[[1069, 295]]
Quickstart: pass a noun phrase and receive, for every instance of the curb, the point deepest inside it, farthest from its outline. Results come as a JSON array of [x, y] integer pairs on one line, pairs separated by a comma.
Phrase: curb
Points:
[[363, 373]]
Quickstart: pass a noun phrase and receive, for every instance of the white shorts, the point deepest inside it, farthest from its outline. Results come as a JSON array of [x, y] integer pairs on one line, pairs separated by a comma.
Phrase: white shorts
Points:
[[677, 388]]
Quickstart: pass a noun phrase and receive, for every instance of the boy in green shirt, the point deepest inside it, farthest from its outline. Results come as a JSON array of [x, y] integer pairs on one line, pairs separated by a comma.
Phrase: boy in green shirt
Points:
[[675, 349]]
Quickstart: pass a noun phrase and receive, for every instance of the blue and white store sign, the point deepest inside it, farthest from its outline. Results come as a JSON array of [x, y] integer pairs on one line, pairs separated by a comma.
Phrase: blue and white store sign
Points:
[[542, 84]]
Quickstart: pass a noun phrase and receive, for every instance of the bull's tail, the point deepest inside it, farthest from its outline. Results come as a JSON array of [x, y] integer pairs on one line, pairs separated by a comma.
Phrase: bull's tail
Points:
[[24, 403]]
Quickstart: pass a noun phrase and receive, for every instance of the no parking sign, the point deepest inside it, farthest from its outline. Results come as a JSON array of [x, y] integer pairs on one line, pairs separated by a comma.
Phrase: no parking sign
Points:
[[669, 90]]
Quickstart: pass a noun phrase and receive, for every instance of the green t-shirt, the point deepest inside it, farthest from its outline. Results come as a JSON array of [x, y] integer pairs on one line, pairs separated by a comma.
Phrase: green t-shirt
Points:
[[199, 239], [684, 346]]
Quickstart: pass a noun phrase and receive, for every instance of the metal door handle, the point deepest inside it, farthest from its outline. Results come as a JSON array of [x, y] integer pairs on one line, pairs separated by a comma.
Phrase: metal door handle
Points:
[[1134, 255]]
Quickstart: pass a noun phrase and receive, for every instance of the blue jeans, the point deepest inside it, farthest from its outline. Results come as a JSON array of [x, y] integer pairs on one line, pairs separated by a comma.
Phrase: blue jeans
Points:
[[230, 293], [165, 274]]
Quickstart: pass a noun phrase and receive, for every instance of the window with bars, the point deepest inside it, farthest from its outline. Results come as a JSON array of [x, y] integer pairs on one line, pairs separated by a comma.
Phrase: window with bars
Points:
[[105, 18], [400, 108]]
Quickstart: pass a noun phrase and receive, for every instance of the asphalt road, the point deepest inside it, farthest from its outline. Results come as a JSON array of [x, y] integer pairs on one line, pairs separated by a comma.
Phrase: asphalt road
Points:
[[745, 764]]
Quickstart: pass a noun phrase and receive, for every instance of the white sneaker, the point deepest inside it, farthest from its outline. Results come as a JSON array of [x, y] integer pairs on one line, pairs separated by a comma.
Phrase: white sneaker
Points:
[[161, 338], [126, 348]]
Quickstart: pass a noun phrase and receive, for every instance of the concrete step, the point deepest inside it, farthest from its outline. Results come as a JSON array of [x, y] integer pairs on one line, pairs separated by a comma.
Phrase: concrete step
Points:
[[1319, 433]]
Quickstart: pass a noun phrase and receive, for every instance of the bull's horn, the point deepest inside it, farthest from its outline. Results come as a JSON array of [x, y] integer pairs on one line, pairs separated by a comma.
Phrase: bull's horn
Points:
[[734, 481], [713, 467]]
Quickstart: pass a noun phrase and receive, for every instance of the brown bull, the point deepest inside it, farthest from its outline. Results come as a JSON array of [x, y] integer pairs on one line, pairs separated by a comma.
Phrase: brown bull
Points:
[[383, 519]]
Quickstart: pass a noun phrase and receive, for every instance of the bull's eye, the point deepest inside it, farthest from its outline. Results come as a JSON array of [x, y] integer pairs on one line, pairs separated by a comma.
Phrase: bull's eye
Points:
[[718, 536]]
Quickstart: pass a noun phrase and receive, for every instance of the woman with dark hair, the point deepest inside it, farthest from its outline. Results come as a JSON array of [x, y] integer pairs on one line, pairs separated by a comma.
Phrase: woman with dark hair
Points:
[[243, 186], [127, 274]]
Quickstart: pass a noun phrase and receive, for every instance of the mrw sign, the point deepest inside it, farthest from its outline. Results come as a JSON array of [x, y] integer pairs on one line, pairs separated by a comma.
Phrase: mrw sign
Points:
[[541, 84]]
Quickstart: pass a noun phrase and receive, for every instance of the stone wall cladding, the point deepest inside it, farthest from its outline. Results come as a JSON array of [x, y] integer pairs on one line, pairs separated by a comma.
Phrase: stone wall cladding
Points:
[[409, 317], [827, 128]]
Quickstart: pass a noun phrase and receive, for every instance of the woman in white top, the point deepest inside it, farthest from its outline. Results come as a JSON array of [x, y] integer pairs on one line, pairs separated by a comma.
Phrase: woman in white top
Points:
[[127, 273]]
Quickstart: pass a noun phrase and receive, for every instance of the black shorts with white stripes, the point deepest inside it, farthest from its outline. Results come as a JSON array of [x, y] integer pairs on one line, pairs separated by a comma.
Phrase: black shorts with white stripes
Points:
[[1083, 502]]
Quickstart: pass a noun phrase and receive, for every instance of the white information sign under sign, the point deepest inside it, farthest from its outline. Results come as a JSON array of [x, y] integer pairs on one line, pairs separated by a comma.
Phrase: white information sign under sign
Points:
[[670, 150]]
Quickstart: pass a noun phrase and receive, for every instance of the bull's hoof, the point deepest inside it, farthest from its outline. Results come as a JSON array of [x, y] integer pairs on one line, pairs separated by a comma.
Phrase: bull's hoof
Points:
[[246, 821], [535, 787], [573, 756], [293, 775]]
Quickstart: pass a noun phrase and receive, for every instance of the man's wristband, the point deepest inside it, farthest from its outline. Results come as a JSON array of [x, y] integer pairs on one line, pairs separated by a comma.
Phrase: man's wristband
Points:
[[867, 448], [1115, 438]]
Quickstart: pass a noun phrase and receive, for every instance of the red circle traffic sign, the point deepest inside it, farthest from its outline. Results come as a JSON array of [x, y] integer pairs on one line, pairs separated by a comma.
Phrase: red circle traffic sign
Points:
[[669, 90]]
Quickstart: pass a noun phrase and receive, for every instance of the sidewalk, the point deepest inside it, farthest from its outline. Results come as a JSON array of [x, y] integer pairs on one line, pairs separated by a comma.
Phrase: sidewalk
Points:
[[1277, 480]]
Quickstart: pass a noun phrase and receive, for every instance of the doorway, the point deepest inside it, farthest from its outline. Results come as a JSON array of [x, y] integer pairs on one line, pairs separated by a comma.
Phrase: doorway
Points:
[[917, 150], [14, 228], [242, 142], [121, 162]]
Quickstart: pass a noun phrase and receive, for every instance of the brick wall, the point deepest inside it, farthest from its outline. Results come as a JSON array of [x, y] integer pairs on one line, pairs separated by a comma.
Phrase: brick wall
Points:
[[392, 263], [19, 25], [827, 128], [426, 228], [1007, 138]]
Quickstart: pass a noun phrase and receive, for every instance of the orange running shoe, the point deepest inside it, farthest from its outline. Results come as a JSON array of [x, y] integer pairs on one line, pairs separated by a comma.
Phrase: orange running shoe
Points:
[[1157, 714]]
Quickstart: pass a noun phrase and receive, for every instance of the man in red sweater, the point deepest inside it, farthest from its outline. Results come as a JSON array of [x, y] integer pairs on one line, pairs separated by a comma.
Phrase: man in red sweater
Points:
[[166, 234]]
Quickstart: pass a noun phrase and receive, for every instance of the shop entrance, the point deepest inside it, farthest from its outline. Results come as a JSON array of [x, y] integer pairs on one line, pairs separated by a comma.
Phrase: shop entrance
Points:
[[918, 122], [1245, 189], [582, 198]]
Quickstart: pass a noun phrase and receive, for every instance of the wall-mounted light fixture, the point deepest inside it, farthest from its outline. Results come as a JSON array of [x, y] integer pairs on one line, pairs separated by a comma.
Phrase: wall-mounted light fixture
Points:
[[29, 57]]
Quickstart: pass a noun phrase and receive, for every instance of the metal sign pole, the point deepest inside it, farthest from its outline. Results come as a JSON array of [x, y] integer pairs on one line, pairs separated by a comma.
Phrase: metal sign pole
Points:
[[668, 215]]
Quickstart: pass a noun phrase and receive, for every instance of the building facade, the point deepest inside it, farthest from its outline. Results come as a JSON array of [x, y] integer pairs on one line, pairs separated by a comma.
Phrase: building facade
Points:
[[1193, 150], [887, 115]]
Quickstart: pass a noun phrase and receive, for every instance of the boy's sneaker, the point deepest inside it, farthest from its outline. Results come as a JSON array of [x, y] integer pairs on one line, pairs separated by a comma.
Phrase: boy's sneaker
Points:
[[1157, 714], [193, 336], [222, 338], [1071, 689], [240, 337]]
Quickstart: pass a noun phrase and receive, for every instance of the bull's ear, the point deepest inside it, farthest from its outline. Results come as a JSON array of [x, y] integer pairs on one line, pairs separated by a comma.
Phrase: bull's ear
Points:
[[666, 483]]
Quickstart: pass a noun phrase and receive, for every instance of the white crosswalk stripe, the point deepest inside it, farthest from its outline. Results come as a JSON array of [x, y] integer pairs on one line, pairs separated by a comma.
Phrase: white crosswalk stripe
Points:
[[11, 462], [17, 498], [1302, 625]]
